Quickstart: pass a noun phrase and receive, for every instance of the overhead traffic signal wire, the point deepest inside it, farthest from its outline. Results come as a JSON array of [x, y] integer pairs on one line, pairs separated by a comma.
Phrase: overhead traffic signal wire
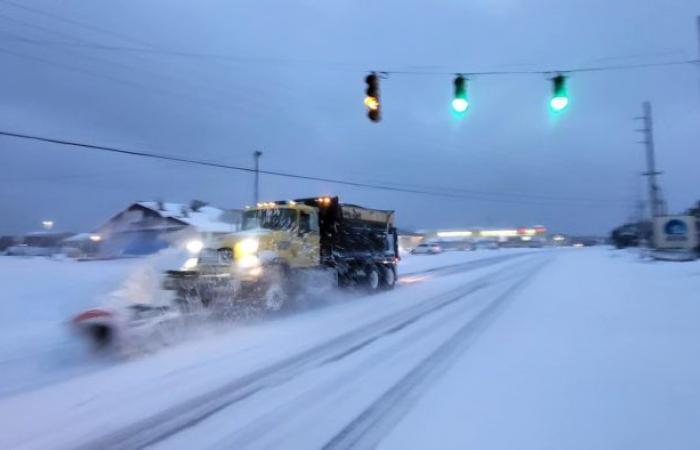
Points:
[[153, 50], [343, 66], [552, 71], [219, 165]]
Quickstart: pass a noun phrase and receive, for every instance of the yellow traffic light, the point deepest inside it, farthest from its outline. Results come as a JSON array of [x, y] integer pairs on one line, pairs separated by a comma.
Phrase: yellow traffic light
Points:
[[372, 103]]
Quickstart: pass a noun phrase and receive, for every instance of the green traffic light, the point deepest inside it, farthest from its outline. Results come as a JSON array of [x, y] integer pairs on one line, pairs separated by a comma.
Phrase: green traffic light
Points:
[[460, 105], [560, 98], [460, 102], [559, 103]]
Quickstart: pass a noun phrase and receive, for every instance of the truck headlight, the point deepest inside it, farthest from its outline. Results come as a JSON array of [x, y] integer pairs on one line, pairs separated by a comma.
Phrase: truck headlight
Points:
[[247, 247], [190, 264], [194, 246], [248, 261]]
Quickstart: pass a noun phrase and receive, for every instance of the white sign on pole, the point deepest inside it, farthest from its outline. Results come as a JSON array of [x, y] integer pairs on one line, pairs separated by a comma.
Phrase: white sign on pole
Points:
[[675, 232]]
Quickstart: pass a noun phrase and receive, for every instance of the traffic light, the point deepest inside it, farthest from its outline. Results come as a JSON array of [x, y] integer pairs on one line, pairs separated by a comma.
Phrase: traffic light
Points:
[[560, 98], [460, 103], [372, 101]]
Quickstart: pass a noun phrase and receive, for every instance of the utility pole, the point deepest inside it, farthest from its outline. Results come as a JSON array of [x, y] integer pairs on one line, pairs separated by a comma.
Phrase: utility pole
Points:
[[256, 188], [698, 24], [641, 238], [656, 203]]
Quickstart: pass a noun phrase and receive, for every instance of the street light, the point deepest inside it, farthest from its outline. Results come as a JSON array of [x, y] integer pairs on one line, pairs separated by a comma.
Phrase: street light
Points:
[[47, 224]]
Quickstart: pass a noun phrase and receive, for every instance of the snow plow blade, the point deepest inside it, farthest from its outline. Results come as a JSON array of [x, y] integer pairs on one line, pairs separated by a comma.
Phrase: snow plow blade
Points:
[[135, 328]]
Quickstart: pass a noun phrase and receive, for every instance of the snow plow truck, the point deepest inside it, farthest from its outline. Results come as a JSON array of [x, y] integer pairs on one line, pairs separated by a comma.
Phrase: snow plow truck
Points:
[[284, 246]]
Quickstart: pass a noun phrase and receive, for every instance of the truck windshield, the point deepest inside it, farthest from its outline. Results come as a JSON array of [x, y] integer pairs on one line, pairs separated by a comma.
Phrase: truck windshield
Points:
[[272, 219]]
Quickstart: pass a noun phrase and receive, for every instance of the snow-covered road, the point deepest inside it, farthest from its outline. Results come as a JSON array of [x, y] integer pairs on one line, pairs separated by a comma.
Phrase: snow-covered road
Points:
[[489, 350]]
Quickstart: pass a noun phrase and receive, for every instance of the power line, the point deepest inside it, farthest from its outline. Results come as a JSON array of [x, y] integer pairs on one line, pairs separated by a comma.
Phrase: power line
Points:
[[550, 71], [513, 194], [215, 102], [112, 78], [254, 60], [80, 43], [173, 75], [154, 50], [220, 165], [75, 22], [149, 49], [183, 54]]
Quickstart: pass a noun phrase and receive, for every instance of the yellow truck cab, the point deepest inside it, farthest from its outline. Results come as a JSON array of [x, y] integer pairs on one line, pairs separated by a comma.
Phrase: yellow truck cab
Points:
[[276, 233]]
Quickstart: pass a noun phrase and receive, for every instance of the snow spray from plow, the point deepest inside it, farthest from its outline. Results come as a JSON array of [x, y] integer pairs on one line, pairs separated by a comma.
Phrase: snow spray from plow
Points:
[[138, 312]]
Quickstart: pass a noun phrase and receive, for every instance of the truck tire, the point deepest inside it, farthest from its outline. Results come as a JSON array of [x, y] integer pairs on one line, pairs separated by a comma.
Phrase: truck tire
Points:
[[372, 278], [339, 280], [276, 291], [388, 276], [274, 298]]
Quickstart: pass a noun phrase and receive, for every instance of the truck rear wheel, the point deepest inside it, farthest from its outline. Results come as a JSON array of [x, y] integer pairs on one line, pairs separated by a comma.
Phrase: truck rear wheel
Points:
[[388, 276], [373, 279]]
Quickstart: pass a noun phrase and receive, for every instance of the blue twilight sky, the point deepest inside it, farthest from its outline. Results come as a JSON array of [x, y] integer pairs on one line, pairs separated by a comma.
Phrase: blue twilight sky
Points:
[[291, 85]]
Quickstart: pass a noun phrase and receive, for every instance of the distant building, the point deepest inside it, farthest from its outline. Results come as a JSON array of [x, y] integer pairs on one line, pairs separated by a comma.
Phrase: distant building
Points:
[[147, 227], [7, 241], [38, 243], [409, 240], [534, 236], [80, 245]]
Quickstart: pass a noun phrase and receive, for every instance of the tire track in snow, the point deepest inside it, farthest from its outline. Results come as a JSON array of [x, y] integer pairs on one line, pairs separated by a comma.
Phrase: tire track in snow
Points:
[[277, 416], [462, 267], [368, 429]]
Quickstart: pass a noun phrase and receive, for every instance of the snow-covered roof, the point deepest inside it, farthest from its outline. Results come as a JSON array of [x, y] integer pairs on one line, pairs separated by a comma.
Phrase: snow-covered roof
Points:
[[207, 219]]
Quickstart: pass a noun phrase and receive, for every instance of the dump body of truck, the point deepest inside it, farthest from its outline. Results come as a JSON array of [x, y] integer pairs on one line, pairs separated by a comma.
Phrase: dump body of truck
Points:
[[354, 233]]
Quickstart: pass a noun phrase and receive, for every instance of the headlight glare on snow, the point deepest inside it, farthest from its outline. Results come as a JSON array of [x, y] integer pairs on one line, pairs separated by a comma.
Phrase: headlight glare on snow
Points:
[[194, 246]]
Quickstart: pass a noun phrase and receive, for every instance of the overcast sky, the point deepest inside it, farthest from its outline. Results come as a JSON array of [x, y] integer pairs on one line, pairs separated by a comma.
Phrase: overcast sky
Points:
[[103, 72]]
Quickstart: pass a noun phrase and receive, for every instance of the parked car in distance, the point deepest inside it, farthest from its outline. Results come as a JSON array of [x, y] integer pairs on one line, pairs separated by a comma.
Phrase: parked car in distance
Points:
[[467, 247], [431, 248]]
